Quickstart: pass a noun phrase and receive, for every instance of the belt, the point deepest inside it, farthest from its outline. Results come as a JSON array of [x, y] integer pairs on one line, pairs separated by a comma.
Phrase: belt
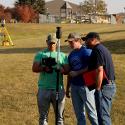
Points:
[[105, 81], [111, 81]]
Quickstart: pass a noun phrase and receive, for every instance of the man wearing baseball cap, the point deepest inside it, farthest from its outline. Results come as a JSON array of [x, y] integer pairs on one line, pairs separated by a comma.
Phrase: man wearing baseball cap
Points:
[[45, 63], [82, 98], [101, 60]]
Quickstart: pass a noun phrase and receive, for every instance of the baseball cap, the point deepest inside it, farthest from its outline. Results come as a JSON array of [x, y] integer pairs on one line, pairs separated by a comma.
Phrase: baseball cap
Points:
[[91, 35], [73, 36], [51, 38]]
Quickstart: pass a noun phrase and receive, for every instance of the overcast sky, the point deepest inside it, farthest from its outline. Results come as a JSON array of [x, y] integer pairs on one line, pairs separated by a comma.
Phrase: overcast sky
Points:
[[114, 6]]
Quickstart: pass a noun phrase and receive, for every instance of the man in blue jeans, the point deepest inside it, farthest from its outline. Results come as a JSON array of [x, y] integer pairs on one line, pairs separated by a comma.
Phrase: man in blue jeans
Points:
[[82, 98], [45, 63], [101, 60]]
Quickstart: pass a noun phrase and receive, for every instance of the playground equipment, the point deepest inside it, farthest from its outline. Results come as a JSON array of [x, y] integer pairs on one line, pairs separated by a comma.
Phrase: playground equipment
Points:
[[4, 34]]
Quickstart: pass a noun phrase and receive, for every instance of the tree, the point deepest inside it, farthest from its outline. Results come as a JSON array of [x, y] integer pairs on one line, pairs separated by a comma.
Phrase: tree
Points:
[[5, 13], [87, 7], [38, 5], [101, 7], [8, 14], [2, 11], [22, 2], [93, 7], [26, 13]]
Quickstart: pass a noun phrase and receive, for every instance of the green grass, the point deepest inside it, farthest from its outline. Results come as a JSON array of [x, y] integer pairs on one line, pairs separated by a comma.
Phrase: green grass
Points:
[[18, 85]]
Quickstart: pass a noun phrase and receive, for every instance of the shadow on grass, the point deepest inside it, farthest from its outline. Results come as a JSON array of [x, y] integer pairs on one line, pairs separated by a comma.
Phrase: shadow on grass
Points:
[[116, 31], [28, 50], [20, 50], [115, 47]]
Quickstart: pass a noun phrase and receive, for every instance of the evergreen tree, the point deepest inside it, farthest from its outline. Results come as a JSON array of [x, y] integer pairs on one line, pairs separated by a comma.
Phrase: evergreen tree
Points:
[[39, 6]]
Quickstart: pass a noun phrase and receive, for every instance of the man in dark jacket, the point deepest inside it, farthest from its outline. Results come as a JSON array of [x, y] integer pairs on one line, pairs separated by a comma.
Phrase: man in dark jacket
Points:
[[101, 60]]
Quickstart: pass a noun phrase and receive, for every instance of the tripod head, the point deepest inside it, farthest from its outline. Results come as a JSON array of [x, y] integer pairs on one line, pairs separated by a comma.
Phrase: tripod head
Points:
[[58, 32]]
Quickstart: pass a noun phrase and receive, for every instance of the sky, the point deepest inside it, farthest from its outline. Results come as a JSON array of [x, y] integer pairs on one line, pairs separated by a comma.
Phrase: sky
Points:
[[113, 6]]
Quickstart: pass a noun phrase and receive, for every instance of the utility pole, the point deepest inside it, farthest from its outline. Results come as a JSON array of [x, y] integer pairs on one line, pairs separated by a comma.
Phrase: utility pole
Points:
[[124, 16], [95, 9], [96, 2]]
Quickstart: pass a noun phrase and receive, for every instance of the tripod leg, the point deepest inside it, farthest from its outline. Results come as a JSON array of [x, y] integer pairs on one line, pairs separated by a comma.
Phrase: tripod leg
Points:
[[9, 38]]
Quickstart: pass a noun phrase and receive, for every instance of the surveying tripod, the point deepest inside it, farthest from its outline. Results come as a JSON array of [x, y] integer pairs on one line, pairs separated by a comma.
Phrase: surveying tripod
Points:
[[5, 37]]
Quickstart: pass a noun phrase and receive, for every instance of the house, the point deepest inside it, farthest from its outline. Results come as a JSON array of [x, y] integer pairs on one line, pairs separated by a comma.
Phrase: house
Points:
[[61, 8]]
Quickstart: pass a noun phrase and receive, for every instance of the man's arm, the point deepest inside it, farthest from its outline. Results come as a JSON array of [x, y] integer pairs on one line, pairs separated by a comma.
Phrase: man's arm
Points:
[[79, 72], [68, 87], [37, 67], [99, 77], [65, 69]]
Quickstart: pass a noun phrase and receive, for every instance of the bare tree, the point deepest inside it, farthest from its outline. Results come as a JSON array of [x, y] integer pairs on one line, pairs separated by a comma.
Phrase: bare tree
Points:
[[93, 6]]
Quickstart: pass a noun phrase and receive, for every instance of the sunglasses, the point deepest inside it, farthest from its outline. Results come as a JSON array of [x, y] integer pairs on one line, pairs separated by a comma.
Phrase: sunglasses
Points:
[[51, 43]]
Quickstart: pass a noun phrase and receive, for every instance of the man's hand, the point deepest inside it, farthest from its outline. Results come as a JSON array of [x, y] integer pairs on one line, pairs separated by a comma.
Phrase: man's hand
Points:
[[62, 71], [79, 72], [98, 88], [73, 73], [99, 77], [67, 93], [37, 68], [68, 87], [65, 69], [48, 69]]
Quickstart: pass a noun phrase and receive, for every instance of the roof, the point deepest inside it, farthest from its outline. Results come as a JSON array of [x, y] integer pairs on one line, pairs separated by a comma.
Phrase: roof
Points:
[[53, 7], [66, 5]]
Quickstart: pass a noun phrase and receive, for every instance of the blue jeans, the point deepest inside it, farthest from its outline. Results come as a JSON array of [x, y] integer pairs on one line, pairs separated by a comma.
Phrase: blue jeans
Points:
[[82, 100], [104, 99], [45, 98]]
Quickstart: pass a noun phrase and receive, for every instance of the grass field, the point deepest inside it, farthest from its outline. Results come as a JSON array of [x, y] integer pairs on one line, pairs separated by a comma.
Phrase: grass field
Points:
[[18, 85]]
